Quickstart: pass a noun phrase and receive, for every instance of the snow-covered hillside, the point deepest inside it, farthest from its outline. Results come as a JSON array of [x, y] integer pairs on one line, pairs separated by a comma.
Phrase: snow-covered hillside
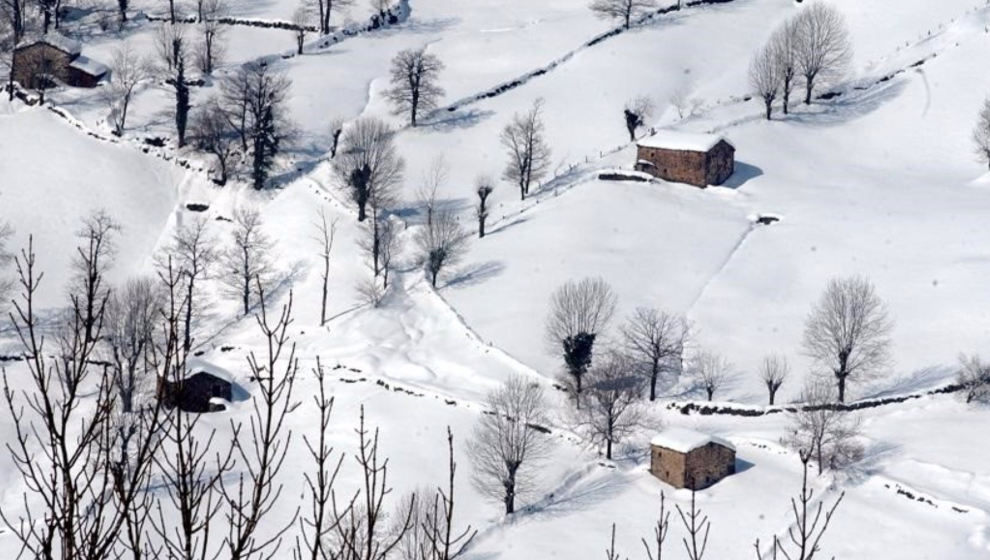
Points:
[[879, 180]]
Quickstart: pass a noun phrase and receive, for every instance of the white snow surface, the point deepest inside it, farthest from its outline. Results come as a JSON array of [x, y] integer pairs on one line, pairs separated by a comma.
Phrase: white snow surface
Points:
[[683, 141], [880, 181], [684, 440]]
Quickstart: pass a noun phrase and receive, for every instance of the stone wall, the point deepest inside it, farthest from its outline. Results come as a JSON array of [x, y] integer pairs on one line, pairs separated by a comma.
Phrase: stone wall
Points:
[[674, 165], [720, 163], [709, 464], [668, 466], [34, 61]]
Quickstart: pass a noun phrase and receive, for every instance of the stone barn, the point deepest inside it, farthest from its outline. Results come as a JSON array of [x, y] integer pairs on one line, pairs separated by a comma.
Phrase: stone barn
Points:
[[688, 459], [682, 157], [201, 391], [42, 61]]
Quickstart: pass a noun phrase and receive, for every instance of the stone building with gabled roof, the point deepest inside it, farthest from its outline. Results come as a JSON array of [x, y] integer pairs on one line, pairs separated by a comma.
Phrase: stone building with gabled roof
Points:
[[688, 459], [45, 60], [685, 157]]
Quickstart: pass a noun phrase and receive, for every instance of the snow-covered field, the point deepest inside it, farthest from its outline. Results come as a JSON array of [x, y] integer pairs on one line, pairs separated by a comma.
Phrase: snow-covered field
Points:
[[880, 182]]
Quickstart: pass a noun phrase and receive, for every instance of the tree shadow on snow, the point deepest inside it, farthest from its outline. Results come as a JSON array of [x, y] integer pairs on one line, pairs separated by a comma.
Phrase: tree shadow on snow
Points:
[[851, 105], [450, 121], [474, 274], [875, 456], [919, 380], [577, 493]]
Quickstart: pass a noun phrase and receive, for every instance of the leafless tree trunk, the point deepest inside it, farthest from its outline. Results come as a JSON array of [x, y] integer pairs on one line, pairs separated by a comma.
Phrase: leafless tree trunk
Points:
[[212, 47], [785, 40], [529, 154], [579, 313], [823, 48], [211, 133], [712, 370], [809, 525], [442, 243], [508, 446], [192, 254], [94, 256], [822, 431], [246, 266], [263, 451], [336, 130], [61, 449], [327, 233], [300, 18], [131, 318], [484, 186], [415, 88], [612, 408], [660, 529], [636, 111], [191, 464], [369, 164], [128, 71], [362, 530], [981, 134], [697, 527], [626, 11], [326, 8], [773, 372], [848, 332], [318, 524], [173, 49], [433, 180], [764, 76], [655, 339]]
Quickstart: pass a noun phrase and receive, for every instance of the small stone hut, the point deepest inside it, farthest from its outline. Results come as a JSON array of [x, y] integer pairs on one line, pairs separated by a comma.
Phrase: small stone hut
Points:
[[201, 391], [689, 459], [683, 157], [43, 60]]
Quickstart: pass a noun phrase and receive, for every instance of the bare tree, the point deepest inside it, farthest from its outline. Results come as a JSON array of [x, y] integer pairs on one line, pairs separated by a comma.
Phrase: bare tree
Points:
[[172, 48], [431, 534], [37, 69], [483, 188], [326, 8], [697, 526], [211, 50], [369, 164], [612, 408], [336, 130], [363, 531], [318, 525], [192, 256], [193, 460], [380, 242], [441, 243], [805, 534], [823, 431], [129, 71], [848, 332], [974, 376], [68, 471], [660, 529], [415, 88], [764, 75], [773, 372], [981, 134], [433, 180], [211, 133], [327, 231], [655, 340], [635, 113], [784, 41], [88, 289], [371, 290], [508, 445], [263, 451], [712, 370], [300, 20], [14, 12], [131, 317], [823, 48], [579, 313], [626, 11], [529, 154], [246, 267]]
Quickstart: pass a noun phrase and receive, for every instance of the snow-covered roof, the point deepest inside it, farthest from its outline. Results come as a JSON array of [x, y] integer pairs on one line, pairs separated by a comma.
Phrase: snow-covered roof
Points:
[[89, 66], [682, 141], [57, 40], [684, 440]]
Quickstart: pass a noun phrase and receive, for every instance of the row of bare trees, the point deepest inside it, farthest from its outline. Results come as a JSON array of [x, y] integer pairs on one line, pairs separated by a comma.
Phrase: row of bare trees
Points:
[[813, 47], [93, 430]]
